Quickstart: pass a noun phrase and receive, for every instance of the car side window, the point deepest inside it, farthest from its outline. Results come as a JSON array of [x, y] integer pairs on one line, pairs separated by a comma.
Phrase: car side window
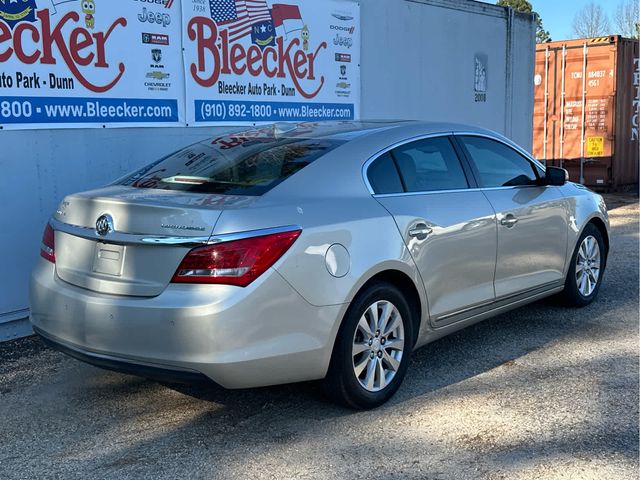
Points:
[[430, 165], [498, 164], [383, 176]]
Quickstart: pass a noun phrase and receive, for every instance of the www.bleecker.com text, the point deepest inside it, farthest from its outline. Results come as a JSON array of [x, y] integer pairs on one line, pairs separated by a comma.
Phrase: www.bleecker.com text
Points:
[[238, 88], [31, 81]]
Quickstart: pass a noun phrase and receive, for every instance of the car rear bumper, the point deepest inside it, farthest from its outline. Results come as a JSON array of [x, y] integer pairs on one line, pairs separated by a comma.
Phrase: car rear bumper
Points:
[[156, 372], [264, 334]]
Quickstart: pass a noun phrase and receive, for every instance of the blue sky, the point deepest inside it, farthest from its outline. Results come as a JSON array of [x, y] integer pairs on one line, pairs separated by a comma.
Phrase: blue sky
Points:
[[557, 15]]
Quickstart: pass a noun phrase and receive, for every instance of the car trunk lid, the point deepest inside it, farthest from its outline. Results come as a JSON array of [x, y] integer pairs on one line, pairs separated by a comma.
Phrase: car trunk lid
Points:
[[152, 230]]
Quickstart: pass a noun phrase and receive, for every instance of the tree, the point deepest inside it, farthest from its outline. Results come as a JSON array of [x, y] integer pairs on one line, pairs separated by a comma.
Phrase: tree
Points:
[[542, 35], [627, 19], [591, 21]]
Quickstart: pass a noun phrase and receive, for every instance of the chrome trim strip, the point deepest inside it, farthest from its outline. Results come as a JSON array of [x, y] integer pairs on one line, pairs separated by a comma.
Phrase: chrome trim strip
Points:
[[176, 241], [228, 237], [499, 301], [506, 143], [477, 306], [502, 307], [433, 192], [121, 238], [459, 190]]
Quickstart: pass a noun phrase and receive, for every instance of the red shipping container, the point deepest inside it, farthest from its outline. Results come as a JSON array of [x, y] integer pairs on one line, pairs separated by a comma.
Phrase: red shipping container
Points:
[[599, 143]]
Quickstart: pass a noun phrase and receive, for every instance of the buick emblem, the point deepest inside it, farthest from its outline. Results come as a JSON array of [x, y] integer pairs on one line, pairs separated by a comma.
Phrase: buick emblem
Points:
[[104, 224]]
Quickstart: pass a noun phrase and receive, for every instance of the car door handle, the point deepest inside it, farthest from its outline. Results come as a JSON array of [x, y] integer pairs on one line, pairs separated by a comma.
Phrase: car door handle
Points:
[[509, 221], [420, 231]]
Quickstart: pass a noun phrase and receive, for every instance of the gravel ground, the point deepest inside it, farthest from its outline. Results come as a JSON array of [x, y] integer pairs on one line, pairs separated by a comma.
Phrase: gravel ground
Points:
[[541, 392]]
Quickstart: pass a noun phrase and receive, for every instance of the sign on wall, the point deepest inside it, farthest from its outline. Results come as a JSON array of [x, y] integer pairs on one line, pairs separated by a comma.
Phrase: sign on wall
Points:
[[271, 60], [78, 63], [95, 63]]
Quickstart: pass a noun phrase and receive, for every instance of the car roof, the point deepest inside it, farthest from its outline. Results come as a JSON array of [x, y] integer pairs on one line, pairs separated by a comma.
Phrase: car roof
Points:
[[340, 171], [350, 129]]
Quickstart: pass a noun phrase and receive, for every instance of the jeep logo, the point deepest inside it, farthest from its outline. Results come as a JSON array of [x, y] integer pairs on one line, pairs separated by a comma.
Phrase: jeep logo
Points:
[[163, 19]]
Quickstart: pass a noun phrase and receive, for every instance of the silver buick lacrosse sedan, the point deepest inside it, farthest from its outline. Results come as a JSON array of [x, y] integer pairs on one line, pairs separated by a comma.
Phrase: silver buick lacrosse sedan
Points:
[[326, 251]]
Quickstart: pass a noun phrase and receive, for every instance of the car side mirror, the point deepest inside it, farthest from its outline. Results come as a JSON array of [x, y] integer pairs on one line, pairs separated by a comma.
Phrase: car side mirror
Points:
[[556, 176]]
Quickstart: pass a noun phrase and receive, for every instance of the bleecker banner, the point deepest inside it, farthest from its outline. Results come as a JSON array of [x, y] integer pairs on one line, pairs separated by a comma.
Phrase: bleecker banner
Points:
[[271, 60], [79, 63]]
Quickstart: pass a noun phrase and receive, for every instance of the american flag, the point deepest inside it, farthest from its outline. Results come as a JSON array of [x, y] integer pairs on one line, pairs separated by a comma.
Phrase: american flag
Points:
[[239, 15], [55, 3]]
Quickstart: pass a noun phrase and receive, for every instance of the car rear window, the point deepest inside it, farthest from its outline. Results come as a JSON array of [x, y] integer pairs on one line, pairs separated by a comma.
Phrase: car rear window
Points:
[[383, 175], [233, 165]]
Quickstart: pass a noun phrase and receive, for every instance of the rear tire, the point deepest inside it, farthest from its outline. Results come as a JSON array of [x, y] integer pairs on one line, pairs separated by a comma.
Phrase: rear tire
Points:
[[372, 349], [586, 269]]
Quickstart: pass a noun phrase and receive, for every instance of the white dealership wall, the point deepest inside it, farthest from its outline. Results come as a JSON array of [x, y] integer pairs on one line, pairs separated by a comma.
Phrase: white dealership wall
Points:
[[417, 62]]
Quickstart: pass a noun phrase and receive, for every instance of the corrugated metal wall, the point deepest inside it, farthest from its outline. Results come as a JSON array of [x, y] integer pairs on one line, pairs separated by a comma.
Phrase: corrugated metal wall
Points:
[[627, 155], [597, 143]]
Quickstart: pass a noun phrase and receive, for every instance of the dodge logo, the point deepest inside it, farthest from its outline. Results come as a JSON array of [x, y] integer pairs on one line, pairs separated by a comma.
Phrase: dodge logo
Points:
[[104, 224]]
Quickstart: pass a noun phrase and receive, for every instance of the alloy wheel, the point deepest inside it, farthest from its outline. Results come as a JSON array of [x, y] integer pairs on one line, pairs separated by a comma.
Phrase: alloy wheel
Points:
[[588, 266], [378, 345]]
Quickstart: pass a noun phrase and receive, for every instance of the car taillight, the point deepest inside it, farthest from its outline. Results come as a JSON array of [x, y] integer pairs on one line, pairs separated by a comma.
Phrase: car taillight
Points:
[[237, 262], [48, 246]]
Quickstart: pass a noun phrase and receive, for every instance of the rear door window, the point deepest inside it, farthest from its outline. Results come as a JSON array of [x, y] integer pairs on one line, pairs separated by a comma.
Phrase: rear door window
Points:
[[252, 167], [430, 165]]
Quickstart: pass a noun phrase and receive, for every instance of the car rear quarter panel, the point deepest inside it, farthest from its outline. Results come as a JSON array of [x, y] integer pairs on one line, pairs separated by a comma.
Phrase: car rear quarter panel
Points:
[[360, 224]]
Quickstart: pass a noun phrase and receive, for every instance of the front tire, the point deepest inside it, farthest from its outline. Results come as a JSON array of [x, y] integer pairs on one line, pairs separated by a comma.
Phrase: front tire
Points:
[[587, 268], [372, 350]]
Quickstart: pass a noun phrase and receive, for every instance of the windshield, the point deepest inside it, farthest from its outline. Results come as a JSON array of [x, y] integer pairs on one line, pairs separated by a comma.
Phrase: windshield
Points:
[[234, 165]]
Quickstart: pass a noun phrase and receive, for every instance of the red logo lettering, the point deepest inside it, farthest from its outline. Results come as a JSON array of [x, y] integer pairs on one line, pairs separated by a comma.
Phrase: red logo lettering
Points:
[[216, 56], [80, 49]]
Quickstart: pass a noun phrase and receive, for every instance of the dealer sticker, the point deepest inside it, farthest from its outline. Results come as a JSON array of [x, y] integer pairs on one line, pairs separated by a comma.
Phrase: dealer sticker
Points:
[[595, 146]]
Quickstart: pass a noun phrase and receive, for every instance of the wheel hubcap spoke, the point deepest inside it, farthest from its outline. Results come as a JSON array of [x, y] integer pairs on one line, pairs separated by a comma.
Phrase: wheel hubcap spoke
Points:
[[373, 317], [392, 362], [581, 253], [359, 348], [365, 327], [382, 380], [370, 378], [359, 368], [395, 344], [384, 318]]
